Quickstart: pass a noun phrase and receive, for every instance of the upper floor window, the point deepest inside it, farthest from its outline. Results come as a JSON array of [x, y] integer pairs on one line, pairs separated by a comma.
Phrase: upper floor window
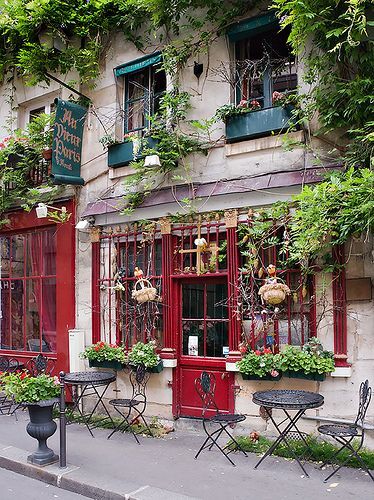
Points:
[[144, 84], [143, 90], [265, 68]]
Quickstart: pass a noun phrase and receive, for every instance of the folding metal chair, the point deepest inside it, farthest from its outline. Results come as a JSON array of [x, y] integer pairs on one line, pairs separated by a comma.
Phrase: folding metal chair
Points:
[[40, 364], [205, 387], [132, 409], [344, 434], [7, 405]]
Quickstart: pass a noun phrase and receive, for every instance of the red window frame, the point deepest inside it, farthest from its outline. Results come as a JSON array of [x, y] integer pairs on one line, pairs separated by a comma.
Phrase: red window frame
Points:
[[21, 221]]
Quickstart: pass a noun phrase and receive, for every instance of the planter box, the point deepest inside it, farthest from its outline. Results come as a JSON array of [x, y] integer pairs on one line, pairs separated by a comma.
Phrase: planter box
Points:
[[307, 376], [257, 377], [122, 154], [158, 368], [258, 123], [114, 365]]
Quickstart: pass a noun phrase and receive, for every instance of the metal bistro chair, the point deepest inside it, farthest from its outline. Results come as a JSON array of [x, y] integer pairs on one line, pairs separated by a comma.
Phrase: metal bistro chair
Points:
[[345, 433], [40, 364], [205, 387], [8, 405], [136, 404]]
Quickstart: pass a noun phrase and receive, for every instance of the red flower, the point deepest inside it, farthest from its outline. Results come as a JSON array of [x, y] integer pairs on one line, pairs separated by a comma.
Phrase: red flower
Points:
[[258, 353], [23, 375], [267, 351]]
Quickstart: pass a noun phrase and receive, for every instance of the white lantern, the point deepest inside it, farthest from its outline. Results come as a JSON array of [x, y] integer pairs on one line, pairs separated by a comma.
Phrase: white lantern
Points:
[[152, 161]]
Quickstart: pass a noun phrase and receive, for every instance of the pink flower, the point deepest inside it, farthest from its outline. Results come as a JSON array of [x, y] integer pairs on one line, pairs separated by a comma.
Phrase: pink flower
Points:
[[274, 373], [243, 104], [254, 104]]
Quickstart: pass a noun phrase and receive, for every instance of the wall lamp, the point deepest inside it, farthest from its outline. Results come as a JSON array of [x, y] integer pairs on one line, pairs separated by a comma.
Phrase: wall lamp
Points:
[[42, 210], [84, 224]]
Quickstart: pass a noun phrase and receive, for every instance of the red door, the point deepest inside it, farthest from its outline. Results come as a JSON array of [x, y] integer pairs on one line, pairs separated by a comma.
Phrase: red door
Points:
[[202, 325]]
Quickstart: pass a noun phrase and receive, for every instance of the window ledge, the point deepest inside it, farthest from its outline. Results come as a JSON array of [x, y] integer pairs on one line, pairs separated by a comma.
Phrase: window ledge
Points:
[[342, 371], [252, 145], [231, 367]]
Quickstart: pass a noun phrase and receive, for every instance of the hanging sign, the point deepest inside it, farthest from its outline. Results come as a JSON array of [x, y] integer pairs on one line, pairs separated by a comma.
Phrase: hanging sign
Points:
[[67, 143]]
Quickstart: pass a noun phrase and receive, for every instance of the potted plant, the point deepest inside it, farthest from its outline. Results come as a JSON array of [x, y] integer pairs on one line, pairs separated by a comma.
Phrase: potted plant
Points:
[[145, 354], [39, 394], [40, 134], [312, 362], [103, 355], [260, 364]]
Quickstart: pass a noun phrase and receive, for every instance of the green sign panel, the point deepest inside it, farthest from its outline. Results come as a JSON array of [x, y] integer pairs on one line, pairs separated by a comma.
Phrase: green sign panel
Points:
[[67, 143]]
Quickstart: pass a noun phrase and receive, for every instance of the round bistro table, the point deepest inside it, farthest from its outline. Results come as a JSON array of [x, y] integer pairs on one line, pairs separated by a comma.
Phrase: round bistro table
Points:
[[287, 400], [89, 382]]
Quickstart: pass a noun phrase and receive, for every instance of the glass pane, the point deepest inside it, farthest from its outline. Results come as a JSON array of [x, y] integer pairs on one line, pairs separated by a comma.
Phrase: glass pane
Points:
[[137, 85], [5, 314], [17, 314], [193, 338], [48, 315], [33, 254], [217, 306], [17, 263], [32, 315], [49, 252], [136, 112], [4, 256], [193, 301], [217, 339]]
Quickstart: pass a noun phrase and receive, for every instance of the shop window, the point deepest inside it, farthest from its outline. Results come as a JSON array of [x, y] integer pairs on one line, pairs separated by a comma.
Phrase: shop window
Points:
[[28, 291], [264, 325], [123, 319]]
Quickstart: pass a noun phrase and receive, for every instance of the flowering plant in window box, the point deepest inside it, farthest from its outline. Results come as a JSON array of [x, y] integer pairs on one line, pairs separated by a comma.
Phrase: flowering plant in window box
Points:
[[310, 362], [145, 354], [105, 355], [260, 364], [244, 106], [24, 388]]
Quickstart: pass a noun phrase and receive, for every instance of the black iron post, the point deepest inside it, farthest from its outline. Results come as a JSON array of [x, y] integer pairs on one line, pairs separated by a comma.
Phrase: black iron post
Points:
[[62, 422]]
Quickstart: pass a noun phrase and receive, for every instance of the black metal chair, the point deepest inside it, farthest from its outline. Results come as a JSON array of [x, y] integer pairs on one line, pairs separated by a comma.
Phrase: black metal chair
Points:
[[40, 364], [344, 434], [131, 410], [205, 387], [7, 405]]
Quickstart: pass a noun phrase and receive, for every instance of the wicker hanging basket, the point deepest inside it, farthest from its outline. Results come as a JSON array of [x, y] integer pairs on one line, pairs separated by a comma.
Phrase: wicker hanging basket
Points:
[[144, 291], [274, 293]]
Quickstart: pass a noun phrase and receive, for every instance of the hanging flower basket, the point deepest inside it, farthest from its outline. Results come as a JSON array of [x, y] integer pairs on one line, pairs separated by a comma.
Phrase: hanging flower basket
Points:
[[274, 293], [144, 291]]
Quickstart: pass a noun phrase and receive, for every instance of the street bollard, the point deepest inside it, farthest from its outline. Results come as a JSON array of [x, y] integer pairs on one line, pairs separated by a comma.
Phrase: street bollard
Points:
[[62, 422]]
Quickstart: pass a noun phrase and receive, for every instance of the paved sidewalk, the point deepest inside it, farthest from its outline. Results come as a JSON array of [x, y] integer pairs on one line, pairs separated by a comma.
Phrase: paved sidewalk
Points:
[[165, 469]]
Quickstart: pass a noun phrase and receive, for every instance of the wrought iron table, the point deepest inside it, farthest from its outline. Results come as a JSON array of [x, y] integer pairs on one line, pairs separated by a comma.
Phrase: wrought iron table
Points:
[[287, 400], [88, 382]]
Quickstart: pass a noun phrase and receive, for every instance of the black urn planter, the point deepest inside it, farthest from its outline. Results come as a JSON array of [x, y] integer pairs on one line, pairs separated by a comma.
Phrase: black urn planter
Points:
[[41, 427]]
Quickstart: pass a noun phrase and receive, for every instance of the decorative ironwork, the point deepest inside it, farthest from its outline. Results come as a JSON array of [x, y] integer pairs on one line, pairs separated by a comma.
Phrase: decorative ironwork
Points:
[[344, 433], [205, 387], [40, 364], [287, 400], [136, 404]]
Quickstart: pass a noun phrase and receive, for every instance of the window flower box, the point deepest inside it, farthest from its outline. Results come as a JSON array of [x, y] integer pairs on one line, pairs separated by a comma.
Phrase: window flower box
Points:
[[258, 123], [121, 154], [306, 376], [158, 368], [265, 377], [113, 364]]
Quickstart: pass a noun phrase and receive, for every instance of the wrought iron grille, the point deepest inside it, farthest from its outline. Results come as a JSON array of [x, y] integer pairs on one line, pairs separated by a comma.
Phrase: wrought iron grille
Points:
[[123, 319]]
